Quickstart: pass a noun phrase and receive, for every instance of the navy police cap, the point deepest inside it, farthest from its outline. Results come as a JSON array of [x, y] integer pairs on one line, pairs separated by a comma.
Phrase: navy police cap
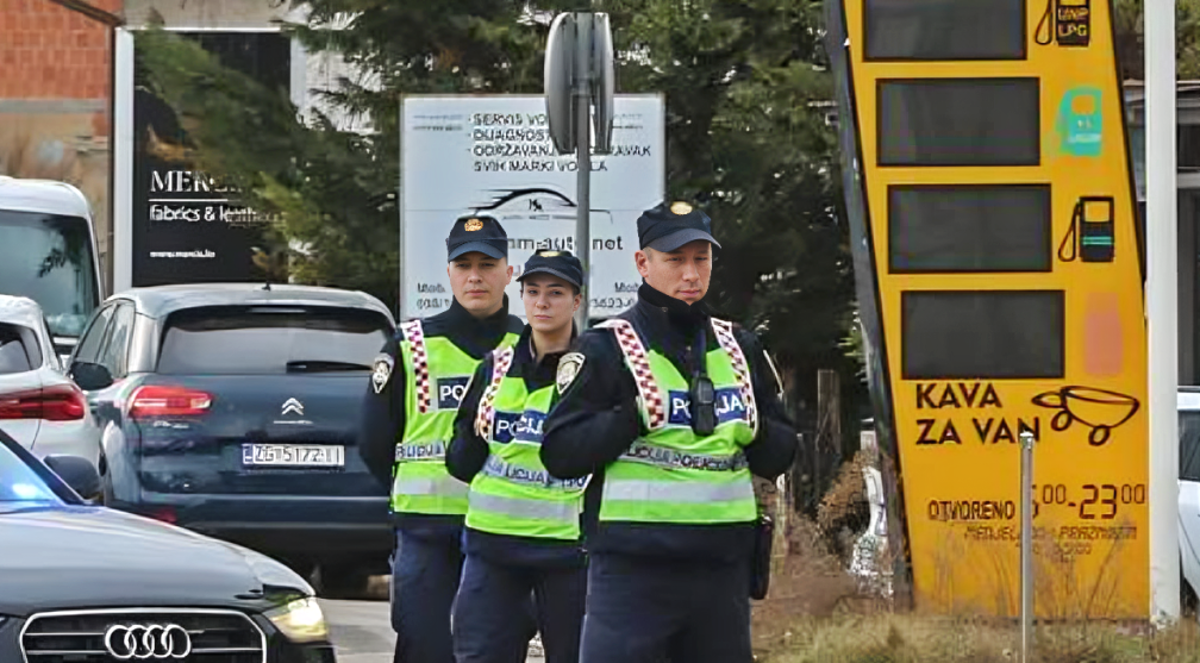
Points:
[[477, 233], [562, 264], [668, 227]]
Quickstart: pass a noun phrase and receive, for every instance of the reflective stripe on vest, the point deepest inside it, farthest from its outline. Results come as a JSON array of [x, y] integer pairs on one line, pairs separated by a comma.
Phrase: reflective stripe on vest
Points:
[[438, 373], [555, 515], [446, 485], [414, 335], [692, 491], [420, 451], [741, 367], [670, 475], [499, 469], [484, 415], [649, 396], [665, 457], [514, 495]]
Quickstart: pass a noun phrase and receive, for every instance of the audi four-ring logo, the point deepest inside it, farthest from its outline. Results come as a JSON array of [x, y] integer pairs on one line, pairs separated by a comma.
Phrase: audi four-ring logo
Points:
[[147, 642]]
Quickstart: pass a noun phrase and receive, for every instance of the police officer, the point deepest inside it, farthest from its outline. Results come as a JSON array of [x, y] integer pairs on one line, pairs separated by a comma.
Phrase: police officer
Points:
[[523, 527], [671, 411], [416, 387]]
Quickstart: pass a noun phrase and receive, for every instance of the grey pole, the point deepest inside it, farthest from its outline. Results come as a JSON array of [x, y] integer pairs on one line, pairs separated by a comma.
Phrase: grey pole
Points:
[[1162, 309], [583, 161], [1026, 544]]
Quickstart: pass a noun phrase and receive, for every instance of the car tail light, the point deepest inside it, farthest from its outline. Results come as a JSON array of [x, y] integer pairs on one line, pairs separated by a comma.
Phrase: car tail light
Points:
[[166, 401], [165, 514], [58, 403]]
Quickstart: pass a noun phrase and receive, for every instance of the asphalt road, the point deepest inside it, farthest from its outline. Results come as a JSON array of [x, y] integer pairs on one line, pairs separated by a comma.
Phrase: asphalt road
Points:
[[362, 631]]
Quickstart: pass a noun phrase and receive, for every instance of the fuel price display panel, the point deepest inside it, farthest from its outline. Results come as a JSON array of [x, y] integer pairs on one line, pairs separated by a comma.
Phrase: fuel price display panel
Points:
[[999, 273]]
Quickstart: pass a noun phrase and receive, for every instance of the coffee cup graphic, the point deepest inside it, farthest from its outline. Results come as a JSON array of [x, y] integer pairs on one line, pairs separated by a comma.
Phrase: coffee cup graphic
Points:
[[1099, 409]]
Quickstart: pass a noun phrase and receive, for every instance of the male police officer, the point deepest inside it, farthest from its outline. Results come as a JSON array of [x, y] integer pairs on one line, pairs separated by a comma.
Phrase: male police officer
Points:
[[416, 387], [670, 410], [523, 528]]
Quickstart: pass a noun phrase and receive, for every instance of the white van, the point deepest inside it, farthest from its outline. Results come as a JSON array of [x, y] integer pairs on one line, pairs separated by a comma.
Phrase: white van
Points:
[[48, 253]]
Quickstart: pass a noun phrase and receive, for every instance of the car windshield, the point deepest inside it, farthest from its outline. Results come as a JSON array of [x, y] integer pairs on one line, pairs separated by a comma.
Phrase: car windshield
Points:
[[48, 258], [1189, 445], [262, 340], [18, 481]]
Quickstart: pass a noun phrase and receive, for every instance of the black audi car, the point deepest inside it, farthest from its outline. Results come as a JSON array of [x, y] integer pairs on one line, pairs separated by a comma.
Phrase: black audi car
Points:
[[232, 410], [81, 583]]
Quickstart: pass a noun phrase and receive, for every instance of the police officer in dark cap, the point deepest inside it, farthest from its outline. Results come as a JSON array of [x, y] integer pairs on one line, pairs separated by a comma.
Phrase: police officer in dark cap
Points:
[[523, 527], [417, 384], [670, 410]]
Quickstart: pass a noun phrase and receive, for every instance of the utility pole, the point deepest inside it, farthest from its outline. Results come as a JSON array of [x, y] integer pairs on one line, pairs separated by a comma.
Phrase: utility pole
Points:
[[1162, 309]]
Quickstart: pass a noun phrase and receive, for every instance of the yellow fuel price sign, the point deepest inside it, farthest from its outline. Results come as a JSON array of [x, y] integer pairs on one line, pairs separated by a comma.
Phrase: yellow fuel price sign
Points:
[[999, 277]]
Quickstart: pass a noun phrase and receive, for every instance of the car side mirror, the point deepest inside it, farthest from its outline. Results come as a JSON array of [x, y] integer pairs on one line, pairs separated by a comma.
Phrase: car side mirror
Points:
[[91, 377], [78, 473]]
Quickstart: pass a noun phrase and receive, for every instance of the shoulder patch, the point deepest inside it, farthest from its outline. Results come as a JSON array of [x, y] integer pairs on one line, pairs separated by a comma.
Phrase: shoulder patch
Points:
[[382, 371], [568, 368]]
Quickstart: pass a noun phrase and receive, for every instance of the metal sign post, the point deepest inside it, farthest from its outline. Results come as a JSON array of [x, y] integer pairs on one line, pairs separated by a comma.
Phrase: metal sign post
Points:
[[1162, 310], [583, 153], [1026, 544], [578, 78]]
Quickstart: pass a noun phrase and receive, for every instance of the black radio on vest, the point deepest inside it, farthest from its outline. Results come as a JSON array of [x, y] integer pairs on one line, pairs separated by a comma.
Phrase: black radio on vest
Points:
[[702, 396]]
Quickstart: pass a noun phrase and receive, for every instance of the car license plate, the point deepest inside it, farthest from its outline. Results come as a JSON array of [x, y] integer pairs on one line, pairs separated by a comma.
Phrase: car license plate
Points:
[[294, 455]]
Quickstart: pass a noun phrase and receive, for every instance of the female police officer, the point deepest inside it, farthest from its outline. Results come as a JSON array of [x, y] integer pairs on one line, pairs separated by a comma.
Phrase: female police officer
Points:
[[522, 528], [670, 410]]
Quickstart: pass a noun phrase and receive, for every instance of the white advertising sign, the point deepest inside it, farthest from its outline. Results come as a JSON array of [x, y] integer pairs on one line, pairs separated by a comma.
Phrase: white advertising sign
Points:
[[491, 154]]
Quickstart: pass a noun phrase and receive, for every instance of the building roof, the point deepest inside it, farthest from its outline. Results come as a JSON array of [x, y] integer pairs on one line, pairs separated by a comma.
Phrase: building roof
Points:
[[1187, 94]]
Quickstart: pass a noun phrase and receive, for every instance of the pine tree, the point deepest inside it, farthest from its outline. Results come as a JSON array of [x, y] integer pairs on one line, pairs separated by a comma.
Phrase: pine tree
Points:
[[746, 92]]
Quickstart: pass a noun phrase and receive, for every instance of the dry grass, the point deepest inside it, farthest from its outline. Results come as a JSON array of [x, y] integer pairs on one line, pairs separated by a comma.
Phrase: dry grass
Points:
[[886, 638], [809, 584], [816, 614]]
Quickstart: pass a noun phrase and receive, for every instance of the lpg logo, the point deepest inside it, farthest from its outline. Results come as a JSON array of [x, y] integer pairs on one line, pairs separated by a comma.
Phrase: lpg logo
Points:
[[450, 392]]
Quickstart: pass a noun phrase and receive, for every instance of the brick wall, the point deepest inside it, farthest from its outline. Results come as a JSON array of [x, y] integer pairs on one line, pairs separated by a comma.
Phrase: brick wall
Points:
[[50, 52], [55, 82]]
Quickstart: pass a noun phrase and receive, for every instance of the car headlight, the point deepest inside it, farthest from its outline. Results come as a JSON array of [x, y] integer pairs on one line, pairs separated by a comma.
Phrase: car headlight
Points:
[[274, 575], [301, 620]]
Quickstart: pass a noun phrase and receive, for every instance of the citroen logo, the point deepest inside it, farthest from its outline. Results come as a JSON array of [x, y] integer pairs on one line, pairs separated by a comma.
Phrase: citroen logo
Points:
[[293, 406], [147, 642]]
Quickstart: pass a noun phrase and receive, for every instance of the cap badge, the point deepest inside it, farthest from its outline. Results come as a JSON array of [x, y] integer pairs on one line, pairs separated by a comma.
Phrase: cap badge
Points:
[[681, 208], [472, 225], [549, 254]]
